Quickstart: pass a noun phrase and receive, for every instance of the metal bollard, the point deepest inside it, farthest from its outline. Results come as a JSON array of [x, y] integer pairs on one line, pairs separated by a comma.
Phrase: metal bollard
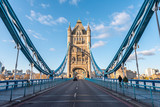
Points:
[[11, 93], [116, 86], [134, 91], [25, 90], [40, 85], [33, 88], [151, 96]]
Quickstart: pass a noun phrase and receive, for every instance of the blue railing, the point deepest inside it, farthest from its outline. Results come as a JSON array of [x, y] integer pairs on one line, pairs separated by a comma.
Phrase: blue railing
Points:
[[13, 89], [18, 83], [148, 94], [141, 83]]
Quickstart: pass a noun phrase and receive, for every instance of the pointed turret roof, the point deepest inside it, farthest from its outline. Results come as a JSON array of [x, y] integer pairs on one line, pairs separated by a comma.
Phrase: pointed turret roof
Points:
[[79, 26], [88, 28], [79, 21], [69, 28]]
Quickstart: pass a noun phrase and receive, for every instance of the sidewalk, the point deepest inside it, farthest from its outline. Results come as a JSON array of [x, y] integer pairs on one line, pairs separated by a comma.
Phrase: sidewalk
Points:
[[147, 96]]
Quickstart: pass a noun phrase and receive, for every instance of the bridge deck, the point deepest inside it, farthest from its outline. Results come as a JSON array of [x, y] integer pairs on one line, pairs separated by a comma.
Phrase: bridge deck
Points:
[[75, 94]]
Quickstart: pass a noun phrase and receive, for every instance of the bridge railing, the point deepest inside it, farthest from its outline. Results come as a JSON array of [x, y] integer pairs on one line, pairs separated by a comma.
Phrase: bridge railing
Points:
[[18, 83], [149, 95], [145, 84], [11, 90]]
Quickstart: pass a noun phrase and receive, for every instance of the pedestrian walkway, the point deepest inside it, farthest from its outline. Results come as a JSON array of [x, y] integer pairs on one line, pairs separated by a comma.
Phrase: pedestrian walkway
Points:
[[28, 89], [147, 96]]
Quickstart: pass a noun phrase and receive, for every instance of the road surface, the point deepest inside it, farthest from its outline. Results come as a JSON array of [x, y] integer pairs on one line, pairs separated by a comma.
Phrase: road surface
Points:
[[81, 93]]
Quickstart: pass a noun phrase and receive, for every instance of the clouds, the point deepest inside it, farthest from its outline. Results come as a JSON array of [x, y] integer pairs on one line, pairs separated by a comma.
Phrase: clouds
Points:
[[120, 18], [62, 1], [121, 21], [98, 44], [131, 7], [101, 36], [36, 35], [8, 41], [52, 49], [87, 12], [45, 19], [141, 54], [31, 2], [72, 2], [61, 20], [99, 27], [44, 5], [132, 57], [147, 52]]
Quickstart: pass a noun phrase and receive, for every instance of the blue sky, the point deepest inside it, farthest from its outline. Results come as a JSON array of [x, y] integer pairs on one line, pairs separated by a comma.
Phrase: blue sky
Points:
[[46, 22]]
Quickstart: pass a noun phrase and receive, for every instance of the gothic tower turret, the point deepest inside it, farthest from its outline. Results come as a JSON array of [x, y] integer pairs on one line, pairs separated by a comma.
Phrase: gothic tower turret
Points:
[[79, 64], [68, 42]]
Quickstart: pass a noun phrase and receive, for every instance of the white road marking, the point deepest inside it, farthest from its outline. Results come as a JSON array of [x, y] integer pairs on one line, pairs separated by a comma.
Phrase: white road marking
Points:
[[75, 95]]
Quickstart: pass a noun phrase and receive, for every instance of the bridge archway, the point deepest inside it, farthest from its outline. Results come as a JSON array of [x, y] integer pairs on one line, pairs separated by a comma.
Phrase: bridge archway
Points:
[[80, 73]]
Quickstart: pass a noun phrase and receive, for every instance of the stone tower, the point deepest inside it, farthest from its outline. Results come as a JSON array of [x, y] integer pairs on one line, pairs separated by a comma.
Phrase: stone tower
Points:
[[79, 63]]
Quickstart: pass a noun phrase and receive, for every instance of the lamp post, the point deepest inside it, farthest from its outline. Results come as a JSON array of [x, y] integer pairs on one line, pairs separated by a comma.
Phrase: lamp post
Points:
[[18, 48], [135, 47]]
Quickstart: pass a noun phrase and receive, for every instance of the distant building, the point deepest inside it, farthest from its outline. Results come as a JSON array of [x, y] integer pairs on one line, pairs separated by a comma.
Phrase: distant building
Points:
[[94, 73], [19, 72], [150, 71], [7, 72], [28, 71], [3, 69], [0, 67], [128, 73]]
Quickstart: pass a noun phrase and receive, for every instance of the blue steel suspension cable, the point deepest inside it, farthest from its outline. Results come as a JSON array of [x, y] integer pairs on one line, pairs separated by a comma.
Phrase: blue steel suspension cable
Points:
[[14, 26], [94, 64], [135, 32], [60, 69]]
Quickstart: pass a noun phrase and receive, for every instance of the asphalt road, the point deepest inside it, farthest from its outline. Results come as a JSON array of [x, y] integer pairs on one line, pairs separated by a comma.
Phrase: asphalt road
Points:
[[75, 94]]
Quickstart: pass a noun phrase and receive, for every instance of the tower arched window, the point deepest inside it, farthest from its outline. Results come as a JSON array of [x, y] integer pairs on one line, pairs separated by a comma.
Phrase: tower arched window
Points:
[[72, 49]]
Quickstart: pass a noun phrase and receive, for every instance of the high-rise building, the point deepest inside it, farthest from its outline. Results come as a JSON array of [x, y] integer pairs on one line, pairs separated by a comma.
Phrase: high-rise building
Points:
[[151, 71]]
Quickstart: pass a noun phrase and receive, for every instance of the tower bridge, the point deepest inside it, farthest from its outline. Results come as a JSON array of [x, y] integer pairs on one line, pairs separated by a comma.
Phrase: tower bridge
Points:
[[79, 63], [87, 91]]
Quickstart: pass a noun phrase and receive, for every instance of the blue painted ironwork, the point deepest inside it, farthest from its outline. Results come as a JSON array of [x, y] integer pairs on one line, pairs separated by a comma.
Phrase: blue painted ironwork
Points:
[[21, 38], [141, 83], [133, 36], [26, 88], [18, 83], [96, 68], [61, 68], [131, 90]]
